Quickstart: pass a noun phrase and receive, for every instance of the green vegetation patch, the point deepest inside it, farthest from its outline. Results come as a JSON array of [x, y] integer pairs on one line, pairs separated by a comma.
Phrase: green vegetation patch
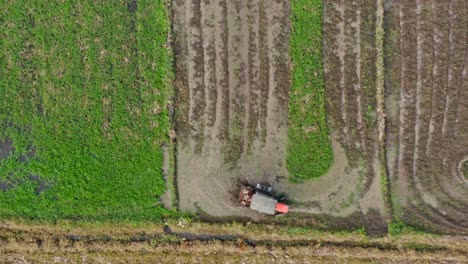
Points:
[[83, 93], [465, 170], [309, 150]]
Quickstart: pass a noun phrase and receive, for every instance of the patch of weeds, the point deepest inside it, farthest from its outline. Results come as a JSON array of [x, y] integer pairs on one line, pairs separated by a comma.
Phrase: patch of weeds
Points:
[[465, 170], [309, 148], [398, 227]]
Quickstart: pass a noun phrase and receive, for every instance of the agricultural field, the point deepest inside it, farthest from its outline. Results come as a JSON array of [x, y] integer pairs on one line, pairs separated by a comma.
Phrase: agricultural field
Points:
[[377, 136], [234, 69], [354, 111], [83, 116], [427, 108]]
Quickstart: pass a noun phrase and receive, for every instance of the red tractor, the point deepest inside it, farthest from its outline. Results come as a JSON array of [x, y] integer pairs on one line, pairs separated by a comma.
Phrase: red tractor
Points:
[[260, 199]]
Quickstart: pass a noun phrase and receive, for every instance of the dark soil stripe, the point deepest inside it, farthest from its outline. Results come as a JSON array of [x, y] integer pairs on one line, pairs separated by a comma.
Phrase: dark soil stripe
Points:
[[350, 82], [253, 74], [223, 75], [208, 29], [424, 81], [238, 81], [441, 29], [281, 69], [367, 92], [332, 77], [197, 75], [408, 87], [264, 68], [181, 81], [462, 95], [457, 49]]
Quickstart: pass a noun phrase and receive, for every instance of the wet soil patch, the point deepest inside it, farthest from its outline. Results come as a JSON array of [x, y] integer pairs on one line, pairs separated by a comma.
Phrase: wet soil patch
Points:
[[132, 6], [375, 223], [42, 185], [31, 153], [6, 185], [6, 148]]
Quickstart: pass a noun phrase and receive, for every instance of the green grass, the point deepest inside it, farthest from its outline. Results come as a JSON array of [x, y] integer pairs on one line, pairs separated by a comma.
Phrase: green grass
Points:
[[309, 151], [465, 170], [85, 84]]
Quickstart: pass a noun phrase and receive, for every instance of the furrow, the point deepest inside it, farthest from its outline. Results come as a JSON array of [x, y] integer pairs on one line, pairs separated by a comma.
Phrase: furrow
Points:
[[222, 74], [357, 86], [457, 48], [237, 78], [407, 89], [424, 65], [461, 99], [196, 73], [341, 56], [351, 81], [252, 120], [440, 69], [181, 81], [208, 34], [366, 88], [264, 72], [333, 64], [281, 66], [419, 65]]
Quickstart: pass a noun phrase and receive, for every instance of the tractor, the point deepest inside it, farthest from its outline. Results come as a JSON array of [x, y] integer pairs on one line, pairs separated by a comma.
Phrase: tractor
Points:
[[261, 199]]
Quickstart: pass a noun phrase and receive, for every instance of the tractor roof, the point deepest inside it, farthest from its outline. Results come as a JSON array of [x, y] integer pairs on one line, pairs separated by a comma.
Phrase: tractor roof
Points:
[[263, 203]]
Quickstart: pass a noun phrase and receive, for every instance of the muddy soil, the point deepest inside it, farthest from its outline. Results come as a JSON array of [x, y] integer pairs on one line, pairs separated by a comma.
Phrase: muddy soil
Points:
[[6, 148], [232, 88], [427, 102]]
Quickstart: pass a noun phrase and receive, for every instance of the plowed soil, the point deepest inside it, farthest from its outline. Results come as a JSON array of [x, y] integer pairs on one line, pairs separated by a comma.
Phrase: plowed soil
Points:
[[232, 84], [427, 102]]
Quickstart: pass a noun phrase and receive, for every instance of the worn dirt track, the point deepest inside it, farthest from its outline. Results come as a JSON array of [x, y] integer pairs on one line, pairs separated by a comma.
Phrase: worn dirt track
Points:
[[232, 86], [427, 102]]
